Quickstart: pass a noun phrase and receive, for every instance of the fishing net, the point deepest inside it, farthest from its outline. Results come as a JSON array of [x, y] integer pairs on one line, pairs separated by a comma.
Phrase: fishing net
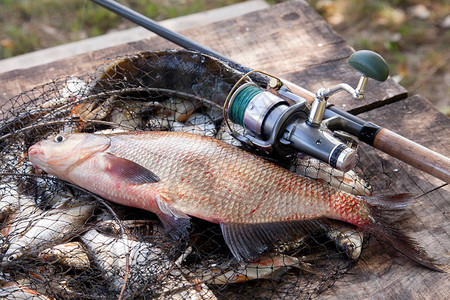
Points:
[[59, 241]]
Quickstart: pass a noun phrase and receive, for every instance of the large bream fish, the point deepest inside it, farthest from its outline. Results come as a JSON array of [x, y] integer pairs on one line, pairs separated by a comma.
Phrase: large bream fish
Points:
[[176, 175]]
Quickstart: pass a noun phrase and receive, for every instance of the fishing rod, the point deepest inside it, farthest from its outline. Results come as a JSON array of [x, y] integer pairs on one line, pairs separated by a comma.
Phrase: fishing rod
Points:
[[286, 117]]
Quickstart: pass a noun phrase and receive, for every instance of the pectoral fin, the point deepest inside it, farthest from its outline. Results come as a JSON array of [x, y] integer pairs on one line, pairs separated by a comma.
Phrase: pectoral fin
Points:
[[127, 171]]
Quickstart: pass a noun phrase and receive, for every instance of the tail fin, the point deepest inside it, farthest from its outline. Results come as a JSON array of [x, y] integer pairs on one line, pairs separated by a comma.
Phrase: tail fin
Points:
[[384, 211]]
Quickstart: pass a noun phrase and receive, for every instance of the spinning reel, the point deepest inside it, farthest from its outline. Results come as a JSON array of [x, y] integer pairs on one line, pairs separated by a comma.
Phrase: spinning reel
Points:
[[285, 123], [277, 126]]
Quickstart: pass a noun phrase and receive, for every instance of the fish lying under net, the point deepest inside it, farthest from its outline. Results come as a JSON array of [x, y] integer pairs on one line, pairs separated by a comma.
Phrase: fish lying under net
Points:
[[171, 90], [177, 175]]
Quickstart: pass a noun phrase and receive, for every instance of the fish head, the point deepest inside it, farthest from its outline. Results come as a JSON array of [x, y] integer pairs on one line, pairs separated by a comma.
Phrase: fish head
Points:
[[60, 154], [353, 246]]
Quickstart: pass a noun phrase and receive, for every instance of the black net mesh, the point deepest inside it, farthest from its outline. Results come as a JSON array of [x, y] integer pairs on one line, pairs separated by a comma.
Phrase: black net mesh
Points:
[[59, 241]]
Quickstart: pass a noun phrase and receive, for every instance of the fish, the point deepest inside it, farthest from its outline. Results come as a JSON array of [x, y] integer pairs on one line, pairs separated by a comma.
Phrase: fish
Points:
[[150, 269], [74, 87], [197, 123], [9, 200], [69, 255], [131, 114], [93, 110], [18, 221], [180, 175], [146, 261], [226, 135], [142, 228], [347, 238], [179, 109], [266, 267], [50, 227], [12, 290], [176, 286], [347, 181]]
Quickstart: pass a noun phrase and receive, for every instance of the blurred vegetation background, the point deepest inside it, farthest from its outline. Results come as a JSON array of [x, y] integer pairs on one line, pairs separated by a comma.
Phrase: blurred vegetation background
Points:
[[412, 35]]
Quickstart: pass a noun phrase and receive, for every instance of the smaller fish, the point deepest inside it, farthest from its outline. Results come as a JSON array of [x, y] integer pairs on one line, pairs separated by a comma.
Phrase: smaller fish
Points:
[[149, 268], [266, 267], [12, 290], [295, 245], [225, 135], [197, 123], [175, 286], [9, 200], [130, 114], [69, 255], [141, 228], [158, 124], [73, 88], [18, 221], [348, 238], [349, 181], [93, 110], [52, 226], [180, 109], [202, 123], [60, 285], [147, 262]]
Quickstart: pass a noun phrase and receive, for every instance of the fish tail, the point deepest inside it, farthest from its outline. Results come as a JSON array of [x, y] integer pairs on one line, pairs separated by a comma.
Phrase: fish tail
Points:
[[385, 212]]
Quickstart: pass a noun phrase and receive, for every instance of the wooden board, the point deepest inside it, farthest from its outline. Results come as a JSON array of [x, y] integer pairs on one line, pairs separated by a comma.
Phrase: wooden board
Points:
[[383, 273], [290, 40]]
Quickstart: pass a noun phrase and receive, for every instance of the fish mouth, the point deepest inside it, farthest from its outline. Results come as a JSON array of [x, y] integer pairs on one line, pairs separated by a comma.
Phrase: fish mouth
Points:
[[35, 150], [33, 153]]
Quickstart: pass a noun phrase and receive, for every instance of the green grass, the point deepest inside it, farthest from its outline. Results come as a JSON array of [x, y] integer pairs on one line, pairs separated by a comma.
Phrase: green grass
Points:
[[29, 25], [417, 49]]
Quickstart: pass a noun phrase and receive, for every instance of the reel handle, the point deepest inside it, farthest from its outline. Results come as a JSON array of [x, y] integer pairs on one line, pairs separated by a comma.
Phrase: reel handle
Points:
[[370, 64]]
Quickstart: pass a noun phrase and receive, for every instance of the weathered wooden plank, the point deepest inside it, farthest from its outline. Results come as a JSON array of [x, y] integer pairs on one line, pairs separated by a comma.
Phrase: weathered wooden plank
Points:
[[334, 72], [383, 273], [288, 40]]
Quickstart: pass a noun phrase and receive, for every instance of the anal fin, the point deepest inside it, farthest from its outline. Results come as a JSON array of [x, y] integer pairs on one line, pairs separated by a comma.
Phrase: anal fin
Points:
[[248, 241]]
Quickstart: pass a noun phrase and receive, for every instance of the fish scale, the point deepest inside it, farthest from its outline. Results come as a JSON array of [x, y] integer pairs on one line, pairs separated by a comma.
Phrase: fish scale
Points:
[[179, 175]]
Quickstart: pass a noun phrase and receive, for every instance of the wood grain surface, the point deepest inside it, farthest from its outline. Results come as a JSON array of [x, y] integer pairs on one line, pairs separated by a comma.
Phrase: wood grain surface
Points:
[[292, 41], [383, 273], [289, 40]]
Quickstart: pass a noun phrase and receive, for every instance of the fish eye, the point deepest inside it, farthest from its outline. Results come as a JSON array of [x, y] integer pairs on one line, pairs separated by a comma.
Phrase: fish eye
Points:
[[60, 138], [12, 257], [350, 247]]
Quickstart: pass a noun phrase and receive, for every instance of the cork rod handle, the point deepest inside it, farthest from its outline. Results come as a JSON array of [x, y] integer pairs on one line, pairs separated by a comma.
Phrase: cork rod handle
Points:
[[413, 154]]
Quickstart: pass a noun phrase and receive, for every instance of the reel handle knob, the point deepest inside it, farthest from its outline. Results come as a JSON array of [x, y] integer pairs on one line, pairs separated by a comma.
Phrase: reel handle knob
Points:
[[370, 64]]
